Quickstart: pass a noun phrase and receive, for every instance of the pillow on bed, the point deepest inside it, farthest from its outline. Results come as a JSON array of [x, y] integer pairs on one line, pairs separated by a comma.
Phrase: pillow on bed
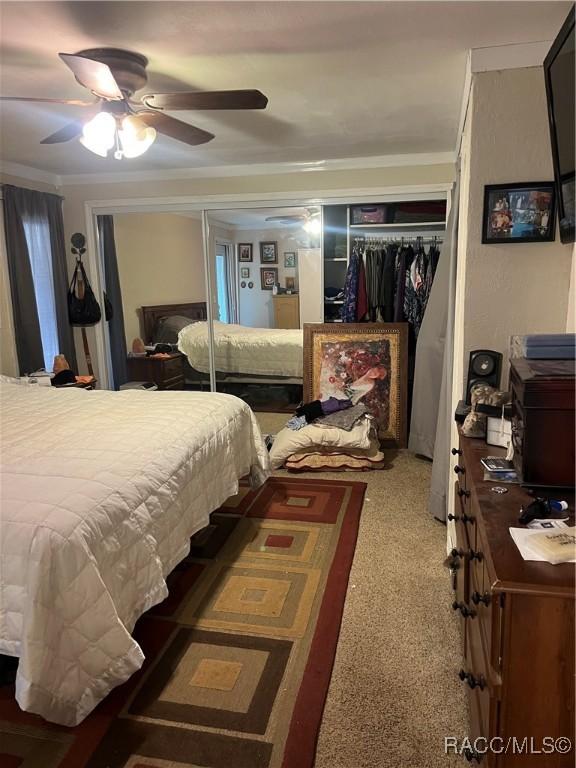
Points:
[[289, 441], [168, 328]]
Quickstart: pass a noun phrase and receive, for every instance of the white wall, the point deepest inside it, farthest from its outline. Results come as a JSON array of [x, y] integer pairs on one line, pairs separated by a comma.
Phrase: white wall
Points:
[[514, 288], [510, 288], [160, 261], [256, 308]]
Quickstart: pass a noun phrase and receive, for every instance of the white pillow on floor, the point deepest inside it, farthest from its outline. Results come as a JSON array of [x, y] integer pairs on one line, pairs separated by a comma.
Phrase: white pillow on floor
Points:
[[289, 441]]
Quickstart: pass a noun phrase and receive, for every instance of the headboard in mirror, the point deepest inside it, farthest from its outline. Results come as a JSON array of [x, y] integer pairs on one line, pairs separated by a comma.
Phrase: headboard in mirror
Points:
[[151, 316]]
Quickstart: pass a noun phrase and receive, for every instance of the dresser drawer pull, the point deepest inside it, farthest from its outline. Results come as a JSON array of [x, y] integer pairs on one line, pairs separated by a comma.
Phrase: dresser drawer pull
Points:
[[453, 559], [471, 754], [467, 613], [459, 470], [473, 682], [456, 452], [472, 555], [477, 598], [468, 518], [463, 492], [453, 517]]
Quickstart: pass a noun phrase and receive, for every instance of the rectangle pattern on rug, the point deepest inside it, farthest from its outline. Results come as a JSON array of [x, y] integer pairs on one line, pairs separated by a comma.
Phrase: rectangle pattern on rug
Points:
[[238, 657]]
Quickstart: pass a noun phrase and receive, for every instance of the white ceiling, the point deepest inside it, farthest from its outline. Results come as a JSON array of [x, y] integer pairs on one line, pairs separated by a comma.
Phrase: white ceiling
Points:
[[344, 79]]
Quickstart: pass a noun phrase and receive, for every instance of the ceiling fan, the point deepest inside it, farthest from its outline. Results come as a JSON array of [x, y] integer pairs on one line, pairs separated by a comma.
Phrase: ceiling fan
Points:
[[113, 75], [296, 218]]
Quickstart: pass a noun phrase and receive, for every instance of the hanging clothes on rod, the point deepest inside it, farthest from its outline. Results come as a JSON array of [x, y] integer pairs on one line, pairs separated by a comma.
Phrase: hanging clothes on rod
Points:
[[389, 279]]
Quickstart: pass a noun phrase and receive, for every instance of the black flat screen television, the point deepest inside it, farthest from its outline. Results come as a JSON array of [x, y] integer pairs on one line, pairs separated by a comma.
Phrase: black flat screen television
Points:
[[559, 75]]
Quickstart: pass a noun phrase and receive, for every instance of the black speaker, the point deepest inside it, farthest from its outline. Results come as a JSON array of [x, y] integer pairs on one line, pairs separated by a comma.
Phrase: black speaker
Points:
[[484, 367]]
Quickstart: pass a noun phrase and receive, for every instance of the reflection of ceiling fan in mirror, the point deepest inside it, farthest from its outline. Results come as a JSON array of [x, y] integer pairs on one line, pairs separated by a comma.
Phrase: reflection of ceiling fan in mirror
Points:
[[308, 220], [296, 218], [116, 122]]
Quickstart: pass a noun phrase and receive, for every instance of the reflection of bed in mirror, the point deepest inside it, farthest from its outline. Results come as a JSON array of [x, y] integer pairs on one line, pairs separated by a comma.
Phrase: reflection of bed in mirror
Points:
[[244, 356]]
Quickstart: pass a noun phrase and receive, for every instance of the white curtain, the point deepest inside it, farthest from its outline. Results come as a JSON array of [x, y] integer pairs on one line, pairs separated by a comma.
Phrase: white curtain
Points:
[[37, 233], [431, 401]]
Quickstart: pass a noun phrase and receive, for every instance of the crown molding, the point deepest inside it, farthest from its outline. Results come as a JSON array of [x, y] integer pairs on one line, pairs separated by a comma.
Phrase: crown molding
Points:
[[513, 56], [31, 174], [262, 169]]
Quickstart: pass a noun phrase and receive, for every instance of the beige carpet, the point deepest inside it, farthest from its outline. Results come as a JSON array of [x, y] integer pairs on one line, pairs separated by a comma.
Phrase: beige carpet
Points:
[[395, 693]]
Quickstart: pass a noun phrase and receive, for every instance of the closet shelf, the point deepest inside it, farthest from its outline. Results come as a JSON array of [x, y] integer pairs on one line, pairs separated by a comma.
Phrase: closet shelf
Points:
[[333, 301], [340, 258], [409, 225]]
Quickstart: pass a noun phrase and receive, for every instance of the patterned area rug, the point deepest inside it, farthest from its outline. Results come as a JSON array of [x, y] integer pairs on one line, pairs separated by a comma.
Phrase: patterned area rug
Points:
[[238, 657]]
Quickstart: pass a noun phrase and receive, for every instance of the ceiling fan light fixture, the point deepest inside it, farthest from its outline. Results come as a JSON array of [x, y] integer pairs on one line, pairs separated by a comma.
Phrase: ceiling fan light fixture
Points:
[[313, 226], [135, 136], [99, 134]]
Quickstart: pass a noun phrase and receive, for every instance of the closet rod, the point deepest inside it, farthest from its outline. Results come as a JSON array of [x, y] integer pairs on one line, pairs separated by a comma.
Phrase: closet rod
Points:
[[400, 240]]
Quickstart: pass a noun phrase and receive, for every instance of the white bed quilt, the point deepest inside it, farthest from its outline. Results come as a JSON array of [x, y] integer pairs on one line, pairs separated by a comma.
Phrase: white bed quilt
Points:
[[100, 493], [240, 349]]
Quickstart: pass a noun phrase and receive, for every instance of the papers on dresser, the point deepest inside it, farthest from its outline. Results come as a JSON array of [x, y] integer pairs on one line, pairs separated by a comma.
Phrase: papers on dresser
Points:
[[534, 551]]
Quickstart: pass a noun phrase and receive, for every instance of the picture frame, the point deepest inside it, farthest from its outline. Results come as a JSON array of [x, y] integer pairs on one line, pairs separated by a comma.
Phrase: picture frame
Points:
[[519, 213], [366, 362], [269, 252], [268, 278], [245, 252], [250, 284], [245, 272], [243, 284], [290, 259]]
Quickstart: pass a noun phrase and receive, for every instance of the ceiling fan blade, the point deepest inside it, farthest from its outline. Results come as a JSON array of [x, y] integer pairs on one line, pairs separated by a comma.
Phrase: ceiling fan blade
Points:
[[67, 133], [94, 75], [176, 129], [207, 100], [72, 102], [289, 219]]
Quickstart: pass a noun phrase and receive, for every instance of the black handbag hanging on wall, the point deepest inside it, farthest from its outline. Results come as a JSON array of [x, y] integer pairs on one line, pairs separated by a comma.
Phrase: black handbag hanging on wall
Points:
[[83, 308]]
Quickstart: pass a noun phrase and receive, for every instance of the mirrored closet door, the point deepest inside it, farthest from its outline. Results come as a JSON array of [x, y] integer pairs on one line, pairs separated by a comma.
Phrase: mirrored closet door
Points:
[[152, 267], [260, 259]]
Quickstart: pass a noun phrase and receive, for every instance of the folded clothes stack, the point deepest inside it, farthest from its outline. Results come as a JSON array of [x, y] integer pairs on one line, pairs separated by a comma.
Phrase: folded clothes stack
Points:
[[325, 435]]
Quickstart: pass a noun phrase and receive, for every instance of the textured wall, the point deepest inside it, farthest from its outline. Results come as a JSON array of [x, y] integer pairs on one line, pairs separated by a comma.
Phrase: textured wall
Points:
[[511, 288], [160, 261]]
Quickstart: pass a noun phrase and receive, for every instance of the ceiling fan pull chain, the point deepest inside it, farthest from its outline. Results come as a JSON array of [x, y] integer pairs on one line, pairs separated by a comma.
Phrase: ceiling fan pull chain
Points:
[[118, 154]]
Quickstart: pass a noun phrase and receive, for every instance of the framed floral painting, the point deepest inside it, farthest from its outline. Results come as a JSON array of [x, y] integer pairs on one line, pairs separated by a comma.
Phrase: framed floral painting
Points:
[[365, 362]]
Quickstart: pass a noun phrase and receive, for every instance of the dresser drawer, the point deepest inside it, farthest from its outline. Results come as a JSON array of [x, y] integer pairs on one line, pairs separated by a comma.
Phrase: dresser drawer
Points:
[[479, 680]]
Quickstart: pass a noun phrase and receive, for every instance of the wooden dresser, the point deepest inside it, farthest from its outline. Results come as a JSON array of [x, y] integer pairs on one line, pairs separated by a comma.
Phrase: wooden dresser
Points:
[[517, 623], [167, 372], [286, 310]]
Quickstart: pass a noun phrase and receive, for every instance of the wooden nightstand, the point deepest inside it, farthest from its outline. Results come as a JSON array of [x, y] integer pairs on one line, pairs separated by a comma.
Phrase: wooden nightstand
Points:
[[286, 310], [167, 372]]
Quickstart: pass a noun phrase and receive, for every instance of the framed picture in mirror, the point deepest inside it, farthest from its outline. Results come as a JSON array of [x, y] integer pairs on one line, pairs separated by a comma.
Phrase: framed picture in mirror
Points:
[[268, 278], [245, 252], [244, 271], [269, 252]]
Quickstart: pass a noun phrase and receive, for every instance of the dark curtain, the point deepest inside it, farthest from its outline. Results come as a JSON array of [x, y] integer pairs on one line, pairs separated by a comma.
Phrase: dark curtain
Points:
[[116, 332], [53, 205], [26, 323], [20, 203]]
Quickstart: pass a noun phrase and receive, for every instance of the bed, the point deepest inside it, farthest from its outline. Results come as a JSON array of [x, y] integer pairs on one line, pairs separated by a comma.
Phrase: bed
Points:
[[100, 493], [241, 353]]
